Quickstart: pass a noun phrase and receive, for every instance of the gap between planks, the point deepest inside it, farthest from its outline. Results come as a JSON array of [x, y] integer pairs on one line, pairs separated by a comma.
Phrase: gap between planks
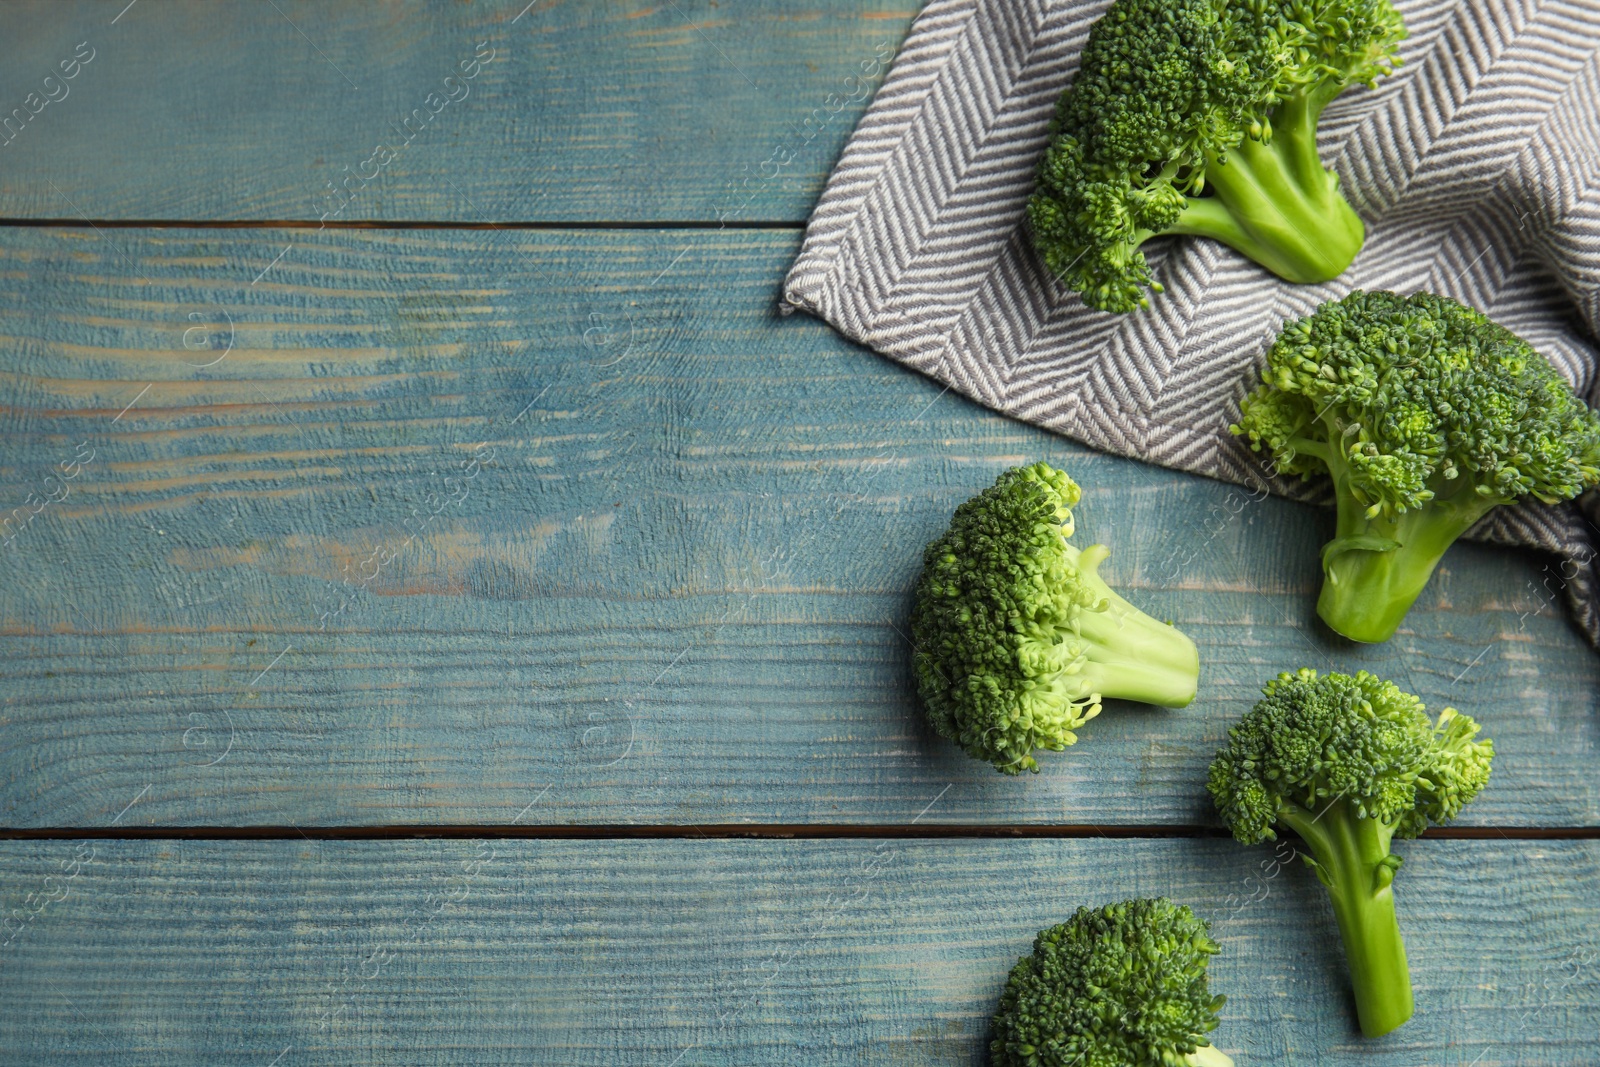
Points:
[[718, 831]]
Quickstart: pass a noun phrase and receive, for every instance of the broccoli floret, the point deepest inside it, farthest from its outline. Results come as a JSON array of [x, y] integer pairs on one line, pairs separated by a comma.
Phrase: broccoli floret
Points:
[[1200, 117], [1350, 763], [1017, 637], [1118, 986], [1426, 414]]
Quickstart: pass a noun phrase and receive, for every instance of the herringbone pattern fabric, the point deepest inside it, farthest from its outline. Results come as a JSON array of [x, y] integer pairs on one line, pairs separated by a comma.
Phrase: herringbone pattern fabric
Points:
[[1476, 167]]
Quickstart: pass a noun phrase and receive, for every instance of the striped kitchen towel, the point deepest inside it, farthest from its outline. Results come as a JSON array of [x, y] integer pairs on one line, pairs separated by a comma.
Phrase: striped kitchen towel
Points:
[[1476, 166]]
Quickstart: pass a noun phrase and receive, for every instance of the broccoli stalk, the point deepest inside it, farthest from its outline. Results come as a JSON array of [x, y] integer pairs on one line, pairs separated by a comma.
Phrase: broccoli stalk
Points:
[[1426, 415], [1375, 568], [1351, 857], [1274, 202], [1199, 117], [1349, 764], [1120, 984], [1018, 639], [1127, 655]]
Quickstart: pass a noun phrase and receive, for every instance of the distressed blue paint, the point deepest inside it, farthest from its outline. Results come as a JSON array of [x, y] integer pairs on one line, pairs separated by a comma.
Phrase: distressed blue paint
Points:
[[670, 591], [673, 594], [748, 952], [689, 110]]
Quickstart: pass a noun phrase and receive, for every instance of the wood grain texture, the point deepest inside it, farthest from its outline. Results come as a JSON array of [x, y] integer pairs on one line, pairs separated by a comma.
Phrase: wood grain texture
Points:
[[685, 110], [739, 952], [674, 590]]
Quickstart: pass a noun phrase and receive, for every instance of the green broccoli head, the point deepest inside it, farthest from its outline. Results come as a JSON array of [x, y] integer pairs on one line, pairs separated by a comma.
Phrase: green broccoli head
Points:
[[1422, 397], [1200, 116], [1123, 984], [1349, 763], [1315, 739], [1017, 637], [1426, 414], [1456, 770]]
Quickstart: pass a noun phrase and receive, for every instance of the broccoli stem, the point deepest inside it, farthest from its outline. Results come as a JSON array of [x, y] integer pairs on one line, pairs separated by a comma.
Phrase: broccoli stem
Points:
[[1131, 656], [1209, 1056], [1353, 860], [1374, 569], [1366, 592], [1275, 202]]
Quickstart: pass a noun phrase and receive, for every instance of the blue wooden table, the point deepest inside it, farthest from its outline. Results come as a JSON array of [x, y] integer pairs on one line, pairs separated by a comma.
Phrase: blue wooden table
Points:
[[448, 617]]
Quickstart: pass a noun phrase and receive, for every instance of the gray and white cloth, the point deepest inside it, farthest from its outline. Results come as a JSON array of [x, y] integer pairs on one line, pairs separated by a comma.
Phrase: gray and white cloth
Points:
[[1476, 166]]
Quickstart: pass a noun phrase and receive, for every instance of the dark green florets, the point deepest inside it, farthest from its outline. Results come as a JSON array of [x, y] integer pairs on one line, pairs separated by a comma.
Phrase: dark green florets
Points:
[[1119, 986], [1164, 90], [1420, 397], [1316, 739], [1017, 637], [1427, 416], [1348, 763], [998, 593]]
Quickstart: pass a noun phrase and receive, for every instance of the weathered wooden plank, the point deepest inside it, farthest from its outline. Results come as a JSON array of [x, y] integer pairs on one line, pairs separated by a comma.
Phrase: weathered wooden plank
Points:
[[686, 952], [673, 591], [545, 111]]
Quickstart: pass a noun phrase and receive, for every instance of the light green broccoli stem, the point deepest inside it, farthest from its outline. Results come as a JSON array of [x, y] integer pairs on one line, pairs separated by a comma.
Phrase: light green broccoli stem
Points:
[[1129, 655], [1209, 1056], [1275, 202], [1375, 568], [1353, 860]]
